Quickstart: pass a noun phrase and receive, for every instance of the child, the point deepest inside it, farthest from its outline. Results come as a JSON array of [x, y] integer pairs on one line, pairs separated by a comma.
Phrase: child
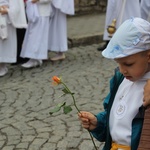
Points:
[[12, 16], [35, 45], [120, 125]]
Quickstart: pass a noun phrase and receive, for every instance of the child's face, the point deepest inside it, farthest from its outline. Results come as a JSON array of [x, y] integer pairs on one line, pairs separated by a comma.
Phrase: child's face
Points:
[[133, 67]]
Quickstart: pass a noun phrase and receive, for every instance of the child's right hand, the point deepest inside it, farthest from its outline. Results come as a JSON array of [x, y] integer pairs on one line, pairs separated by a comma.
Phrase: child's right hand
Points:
[[88, 120]]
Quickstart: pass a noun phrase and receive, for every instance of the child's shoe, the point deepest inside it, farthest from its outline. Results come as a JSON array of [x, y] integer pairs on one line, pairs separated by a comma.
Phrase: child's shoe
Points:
[[32, 63], [58, 57], [3, 71]]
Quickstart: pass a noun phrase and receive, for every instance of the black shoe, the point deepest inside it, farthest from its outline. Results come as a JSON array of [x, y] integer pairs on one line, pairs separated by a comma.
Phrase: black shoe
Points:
[[20, 61], [101, 48]]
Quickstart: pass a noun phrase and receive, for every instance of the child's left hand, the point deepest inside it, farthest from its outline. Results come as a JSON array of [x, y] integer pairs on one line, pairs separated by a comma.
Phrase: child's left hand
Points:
[[146, 99], [34, 1], [3, 10]]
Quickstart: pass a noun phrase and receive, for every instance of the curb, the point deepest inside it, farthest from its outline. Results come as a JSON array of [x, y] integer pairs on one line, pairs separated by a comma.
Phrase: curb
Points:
[[85, 40]]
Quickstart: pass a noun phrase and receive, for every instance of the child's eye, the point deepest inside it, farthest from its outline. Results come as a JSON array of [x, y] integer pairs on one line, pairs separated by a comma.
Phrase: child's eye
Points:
[[128, 65]]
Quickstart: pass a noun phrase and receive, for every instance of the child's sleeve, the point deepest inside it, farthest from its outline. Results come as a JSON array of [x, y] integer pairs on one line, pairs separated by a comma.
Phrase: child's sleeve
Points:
[[100, 131]]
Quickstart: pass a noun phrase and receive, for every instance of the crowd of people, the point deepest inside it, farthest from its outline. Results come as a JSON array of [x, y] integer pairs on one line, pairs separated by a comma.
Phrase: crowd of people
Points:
[[29, 29]]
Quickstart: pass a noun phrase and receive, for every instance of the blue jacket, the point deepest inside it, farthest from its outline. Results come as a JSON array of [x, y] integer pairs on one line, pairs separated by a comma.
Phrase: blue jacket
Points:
[[102, 132]]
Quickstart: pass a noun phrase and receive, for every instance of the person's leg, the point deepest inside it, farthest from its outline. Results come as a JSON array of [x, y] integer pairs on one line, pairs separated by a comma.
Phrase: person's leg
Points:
[[36, 47], [20, 38], [32, 63], [58, 35], [8, 50], [58, 56], [3, 69]]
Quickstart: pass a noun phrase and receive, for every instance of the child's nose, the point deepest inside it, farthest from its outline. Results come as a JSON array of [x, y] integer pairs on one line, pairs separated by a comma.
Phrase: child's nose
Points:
[[122, 70]]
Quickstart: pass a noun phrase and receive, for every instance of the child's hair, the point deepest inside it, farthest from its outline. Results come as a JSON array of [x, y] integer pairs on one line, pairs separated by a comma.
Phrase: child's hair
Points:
[[132, 37]]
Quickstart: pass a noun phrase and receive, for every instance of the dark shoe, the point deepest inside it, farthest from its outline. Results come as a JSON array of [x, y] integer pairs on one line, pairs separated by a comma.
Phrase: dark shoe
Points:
[[102, 47], [20, 61]]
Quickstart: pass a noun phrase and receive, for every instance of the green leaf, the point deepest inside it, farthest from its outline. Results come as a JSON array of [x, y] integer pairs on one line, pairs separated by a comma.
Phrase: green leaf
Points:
[[57, 108], [65, 91], [67, 109], [61, 104]]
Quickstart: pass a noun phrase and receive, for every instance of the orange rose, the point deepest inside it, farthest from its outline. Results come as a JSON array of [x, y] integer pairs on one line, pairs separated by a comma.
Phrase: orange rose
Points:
[[56, 80]]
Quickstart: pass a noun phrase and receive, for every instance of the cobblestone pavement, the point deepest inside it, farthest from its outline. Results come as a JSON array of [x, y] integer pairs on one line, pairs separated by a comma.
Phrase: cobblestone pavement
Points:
[[27, 96]]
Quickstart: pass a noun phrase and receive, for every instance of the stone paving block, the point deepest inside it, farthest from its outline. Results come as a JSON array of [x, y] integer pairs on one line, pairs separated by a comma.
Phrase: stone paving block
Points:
[[8, 148], [49, 146], [27, 138], [63, 144], [22, 145], [54, 138], [83, 145]]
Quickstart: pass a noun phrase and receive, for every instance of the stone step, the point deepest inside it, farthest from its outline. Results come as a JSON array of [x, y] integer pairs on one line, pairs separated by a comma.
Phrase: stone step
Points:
[[85, 29]]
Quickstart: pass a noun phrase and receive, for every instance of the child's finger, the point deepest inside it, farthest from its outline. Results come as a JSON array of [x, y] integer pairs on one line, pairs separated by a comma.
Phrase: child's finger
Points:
[[85, 126], [146, 102]]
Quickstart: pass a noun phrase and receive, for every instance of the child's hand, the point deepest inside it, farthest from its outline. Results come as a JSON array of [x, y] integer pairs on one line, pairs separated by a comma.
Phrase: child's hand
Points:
[[88, 120], [146, 99], [34, 1], [3, 10]]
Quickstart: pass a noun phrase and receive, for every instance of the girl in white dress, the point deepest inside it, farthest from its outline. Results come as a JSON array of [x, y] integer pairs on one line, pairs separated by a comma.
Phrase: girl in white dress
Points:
[[58, 27], [12, 16], [35, 45]]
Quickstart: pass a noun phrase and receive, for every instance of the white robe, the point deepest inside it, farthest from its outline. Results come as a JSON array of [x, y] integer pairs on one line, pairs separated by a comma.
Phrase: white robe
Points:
[[35, 44], [116, 11], [58, 25], [8, 47], [17, 13], [128, 100], [145, 9], [65, 6]]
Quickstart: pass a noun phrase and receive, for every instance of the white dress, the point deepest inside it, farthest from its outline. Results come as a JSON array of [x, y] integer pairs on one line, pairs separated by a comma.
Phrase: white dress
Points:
[[8, 47], [145, 9], [58, 25], [115, 10], [35, 44]]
